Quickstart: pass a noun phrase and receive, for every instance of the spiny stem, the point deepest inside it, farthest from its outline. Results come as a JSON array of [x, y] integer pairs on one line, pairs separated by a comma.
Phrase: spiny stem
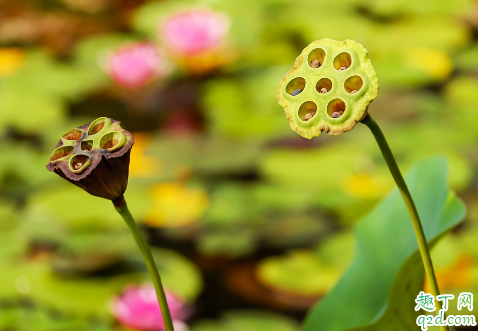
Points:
[[122, 209], [412, 209]]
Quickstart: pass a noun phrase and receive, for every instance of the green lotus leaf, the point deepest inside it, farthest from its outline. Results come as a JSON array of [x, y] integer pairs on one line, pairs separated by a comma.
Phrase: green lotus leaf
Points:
[[37, 319], [245, 107], [380, 286], [248, 321], [89, 296]]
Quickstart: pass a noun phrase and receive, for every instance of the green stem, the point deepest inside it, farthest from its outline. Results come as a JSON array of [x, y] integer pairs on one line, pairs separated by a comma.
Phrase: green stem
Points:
[[122, 209], [412, 209]]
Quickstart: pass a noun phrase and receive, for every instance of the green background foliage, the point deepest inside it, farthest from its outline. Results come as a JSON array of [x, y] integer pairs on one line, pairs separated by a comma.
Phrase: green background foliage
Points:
[[252, 224]]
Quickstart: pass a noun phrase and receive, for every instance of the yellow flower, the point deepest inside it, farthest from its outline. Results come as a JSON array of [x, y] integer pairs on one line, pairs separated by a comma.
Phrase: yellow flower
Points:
[[436, 64], [11, 59], [366, 186], [176, 205], [142, 165], [459, 275]]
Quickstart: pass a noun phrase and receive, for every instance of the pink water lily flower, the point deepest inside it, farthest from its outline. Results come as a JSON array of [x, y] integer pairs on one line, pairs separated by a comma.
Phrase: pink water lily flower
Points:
[[135, 65], [137, 307], [192, 32]]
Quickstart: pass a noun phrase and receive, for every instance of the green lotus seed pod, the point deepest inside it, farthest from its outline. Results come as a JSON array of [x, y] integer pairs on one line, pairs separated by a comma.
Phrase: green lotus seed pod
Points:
[[95, 157], [337, 83]]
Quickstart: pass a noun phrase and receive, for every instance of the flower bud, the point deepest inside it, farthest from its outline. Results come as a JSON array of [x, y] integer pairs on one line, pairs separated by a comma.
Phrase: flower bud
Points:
[[134, 66], [195, 31], [196, 39], [329, 88], [138, 308], [95, 157]]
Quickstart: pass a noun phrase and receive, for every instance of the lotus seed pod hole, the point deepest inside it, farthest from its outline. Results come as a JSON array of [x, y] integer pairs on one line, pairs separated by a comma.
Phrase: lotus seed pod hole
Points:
[[342, 61], [96, 126], [78, 161], [86, 145], [295, 86], [336, 108], [73, 134], [307, 110], [316, 58], [324, 85], [110, 140], [353, 84], [61, 152]]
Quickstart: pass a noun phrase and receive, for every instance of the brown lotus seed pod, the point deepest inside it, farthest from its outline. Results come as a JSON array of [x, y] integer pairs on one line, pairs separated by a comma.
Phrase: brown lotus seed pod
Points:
[[95, 157]]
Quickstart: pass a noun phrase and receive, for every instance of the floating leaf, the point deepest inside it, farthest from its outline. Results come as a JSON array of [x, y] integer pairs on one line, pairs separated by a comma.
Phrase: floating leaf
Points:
[[89, 296], [178, 273], [319, 270], [208, 155], [248, 321], [36, 319], [379, 288], [30, 114], [282, 272], [232, 242], [67, 207], [246, 107]]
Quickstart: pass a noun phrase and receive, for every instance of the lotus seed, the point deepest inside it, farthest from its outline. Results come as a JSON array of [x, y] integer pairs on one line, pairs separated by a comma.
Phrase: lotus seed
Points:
[[296, 92], [314, 64], [78, 166], [354, 91], [337, 114], [308, 116], [342, 68], [323, 90]]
